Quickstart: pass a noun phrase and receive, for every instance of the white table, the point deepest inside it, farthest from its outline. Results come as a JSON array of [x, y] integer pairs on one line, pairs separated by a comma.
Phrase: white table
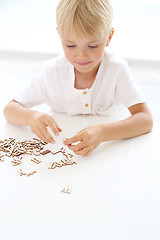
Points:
[[115, 191]]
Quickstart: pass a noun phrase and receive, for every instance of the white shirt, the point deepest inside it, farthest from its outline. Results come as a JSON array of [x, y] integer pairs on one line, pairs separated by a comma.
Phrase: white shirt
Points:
[[54, 85]]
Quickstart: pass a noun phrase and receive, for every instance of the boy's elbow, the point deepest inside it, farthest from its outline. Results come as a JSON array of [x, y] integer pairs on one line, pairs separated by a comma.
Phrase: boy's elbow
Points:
[[149, 123], [7, 109]]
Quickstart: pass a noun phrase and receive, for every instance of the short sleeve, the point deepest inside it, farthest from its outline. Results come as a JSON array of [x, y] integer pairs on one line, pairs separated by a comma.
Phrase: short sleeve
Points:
[[127, 91], [33, 94]]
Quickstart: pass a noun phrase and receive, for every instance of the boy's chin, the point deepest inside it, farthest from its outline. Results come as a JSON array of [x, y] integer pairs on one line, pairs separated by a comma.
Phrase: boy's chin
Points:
[[83, 69]]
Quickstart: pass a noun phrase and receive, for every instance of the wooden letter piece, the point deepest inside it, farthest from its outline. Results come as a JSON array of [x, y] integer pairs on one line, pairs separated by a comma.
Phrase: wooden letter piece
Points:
[[2, 158], [35, 160], [45, 152], [36, 153], [52, 166], [67, 189], [16, 162], [27, 174], [56, 152]]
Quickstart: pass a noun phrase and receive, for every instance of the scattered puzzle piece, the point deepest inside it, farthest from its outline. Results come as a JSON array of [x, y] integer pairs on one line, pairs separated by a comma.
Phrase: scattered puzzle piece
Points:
[[16, 149], [67, 189]]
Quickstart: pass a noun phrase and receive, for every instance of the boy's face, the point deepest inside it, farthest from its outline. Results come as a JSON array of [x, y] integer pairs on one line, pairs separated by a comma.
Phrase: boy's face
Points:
[[84, 53]]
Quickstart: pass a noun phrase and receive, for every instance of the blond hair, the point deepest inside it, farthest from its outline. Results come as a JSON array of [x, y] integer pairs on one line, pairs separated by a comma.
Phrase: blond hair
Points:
[[87, 17]]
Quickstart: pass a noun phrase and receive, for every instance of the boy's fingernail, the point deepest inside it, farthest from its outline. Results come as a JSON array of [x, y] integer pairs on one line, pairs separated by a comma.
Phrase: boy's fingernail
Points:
[[65, 139], [53, 142], [57, 133]]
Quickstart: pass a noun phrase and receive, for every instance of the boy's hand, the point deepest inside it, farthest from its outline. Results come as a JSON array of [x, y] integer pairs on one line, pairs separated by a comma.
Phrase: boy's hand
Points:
[[39, 123], [87, 140]]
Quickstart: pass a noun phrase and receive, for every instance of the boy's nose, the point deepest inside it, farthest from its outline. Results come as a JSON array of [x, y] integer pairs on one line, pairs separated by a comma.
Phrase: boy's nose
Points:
[[82, 54]]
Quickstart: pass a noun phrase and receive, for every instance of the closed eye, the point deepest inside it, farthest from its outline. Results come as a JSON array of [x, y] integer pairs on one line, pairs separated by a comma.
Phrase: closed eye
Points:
[[92, 46], [71, 46]]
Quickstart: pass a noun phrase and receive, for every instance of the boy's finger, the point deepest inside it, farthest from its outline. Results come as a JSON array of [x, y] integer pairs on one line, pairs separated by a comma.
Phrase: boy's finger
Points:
[[73, 147], [52, 125], [88, 153], [46, 134], [83, 152], [78, 147], [40, 135], [59, 129], [76, 138], [56, 124]]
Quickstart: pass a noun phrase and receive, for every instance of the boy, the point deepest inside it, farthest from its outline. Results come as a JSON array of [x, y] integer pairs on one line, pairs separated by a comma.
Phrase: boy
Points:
[[87, 80]]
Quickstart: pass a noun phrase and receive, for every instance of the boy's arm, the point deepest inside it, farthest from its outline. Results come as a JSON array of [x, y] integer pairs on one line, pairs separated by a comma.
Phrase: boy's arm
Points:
[[140, 122], [16, 113]]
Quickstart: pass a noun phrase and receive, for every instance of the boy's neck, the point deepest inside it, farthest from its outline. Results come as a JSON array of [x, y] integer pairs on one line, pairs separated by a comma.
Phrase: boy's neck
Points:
[[85, 80]]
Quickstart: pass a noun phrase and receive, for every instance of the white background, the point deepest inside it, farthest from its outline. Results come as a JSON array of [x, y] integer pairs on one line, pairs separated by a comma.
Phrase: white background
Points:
[[31, 26]]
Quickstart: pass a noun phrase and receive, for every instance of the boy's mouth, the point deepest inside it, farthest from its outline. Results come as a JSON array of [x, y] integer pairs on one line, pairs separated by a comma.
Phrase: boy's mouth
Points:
[[82, 63]]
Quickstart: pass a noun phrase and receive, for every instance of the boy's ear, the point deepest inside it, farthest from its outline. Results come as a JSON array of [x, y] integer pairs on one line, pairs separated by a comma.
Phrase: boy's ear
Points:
[[110, 37]]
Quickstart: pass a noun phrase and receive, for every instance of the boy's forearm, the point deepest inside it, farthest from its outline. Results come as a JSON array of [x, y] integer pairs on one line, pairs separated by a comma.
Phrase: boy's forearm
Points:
[[17, 114], [133, 126]]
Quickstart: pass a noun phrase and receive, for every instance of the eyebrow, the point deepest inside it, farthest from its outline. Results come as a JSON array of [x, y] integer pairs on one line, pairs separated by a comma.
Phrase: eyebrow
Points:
[[92, 42]]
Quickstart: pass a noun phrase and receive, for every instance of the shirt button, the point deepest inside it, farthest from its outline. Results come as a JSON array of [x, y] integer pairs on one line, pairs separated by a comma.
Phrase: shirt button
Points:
[[86, 105], [85, 92]]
